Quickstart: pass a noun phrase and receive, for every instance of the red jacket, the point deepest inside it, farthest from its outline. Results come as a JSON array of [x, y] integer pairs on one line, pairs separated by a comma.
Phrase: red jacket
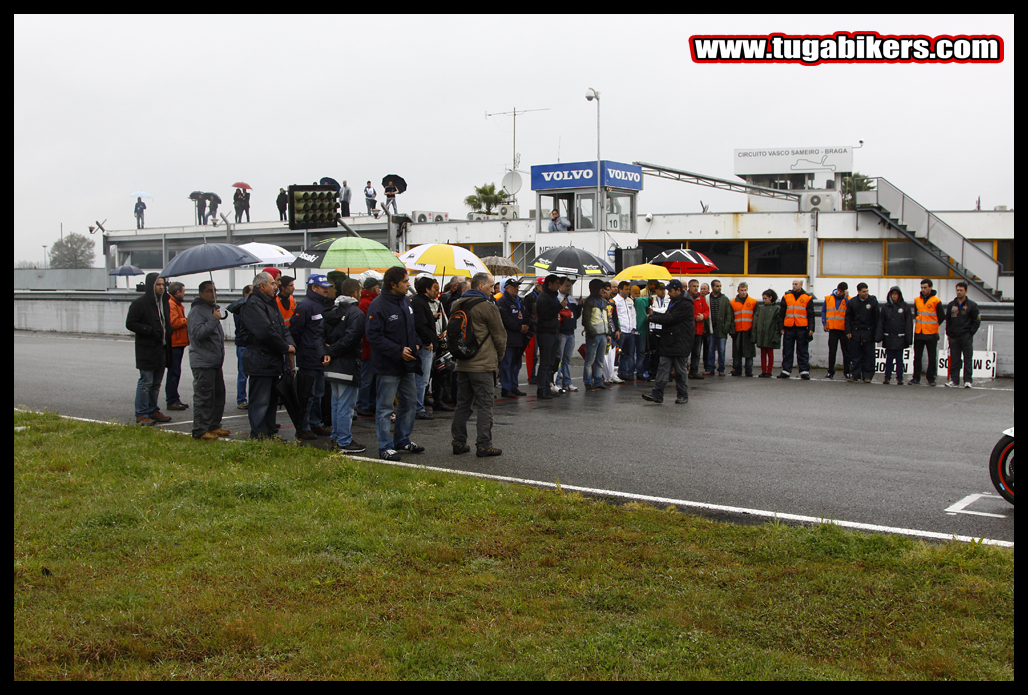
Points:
[[699, 305], [365, 301], [179, 336]]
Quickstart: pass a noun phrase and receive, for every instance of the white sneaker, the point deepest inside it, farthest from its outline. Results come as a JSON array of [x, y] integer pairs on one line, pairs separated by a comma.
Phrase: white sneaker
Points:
[[617, 380], [953, 384], [570, 388], [967, 384]]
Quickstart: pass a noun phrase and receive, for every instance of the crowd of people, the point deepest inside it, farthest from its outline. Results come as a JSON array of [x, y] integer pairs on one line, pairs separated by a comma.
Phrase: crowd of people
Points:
[[377, 349]]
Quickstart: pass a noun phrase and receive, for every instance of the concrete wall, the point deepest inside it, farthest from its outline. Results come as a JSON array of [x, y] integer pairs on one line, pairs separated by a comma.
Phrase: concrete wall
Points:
[[62, 279]]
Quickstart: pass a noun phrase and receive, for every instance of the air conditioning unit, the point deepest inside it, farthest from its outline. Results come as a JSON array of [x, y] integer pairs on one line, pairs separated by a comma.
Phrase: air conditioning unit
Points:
[[509, 211], [825, 201], [430, 216], [479, 216]]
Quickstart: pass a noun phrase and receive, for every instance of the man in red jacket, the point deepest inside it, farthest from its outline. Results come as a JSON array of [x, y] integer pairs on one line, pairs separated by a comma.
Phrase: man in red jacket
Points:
[[702, 311], [366, 395]]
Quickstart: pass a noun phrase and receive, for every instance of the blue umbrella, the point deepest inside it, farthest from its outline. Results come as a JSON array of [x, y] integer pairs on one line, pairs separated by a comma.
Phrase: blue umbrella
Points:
[[329, 181], [141, 194], [208, 257], [126, 270]]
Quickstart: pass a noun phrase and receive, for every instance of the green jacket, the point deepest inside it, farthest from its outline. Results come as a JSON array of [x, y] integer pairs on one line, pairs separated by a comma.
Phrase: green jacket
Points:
[[722, 325], [766, 333]]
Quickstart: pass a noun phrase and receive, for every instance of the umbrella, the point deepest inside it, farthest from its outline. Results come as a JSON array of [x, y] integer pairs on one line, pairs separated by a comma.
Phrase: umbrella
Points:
[[195, 195], [286, 389], [312, 256], [355, 253], [498, 265], [240, 184], [329, 181], [126, 270], [644, 271], [141, 194], [213, 196], [567, 260], [442, 260], [684, 262], [269, 253], [398, 181], [208, 257]]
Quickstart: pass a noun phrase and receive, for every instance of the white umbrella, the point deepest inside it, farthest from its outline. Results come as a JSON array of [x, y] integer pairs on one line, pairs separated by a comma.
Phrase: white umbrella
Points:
[[442, 260], [269, 253]]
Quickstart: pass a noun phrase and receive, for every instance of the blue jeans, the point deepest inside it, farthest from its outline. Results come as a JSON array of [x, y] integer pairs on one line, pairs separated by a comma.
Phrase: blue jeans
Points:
[[147, 389], [716, 345], [626, 368], [566, 351], [640, 355], [594, 353], [241, 378], [510, 368], [343, 398], [388, 388], [174, 376], [421, 380]]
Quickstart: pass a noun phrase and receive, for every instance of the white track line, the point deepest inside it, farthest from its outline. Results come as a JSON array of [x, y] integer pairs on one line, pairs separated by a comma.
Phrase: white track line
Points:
[[934, 535]]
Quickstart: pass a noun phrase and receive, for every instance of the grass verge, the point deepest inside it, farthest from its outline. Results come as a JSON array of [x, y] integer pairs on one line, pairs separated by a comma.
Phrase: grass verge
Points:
[[143, 554]]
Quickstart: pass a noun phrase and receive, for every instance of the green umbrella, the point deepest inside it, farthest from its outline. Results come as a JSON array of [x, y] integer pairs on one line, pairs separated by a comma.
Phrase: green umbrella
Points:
[[357, 254]]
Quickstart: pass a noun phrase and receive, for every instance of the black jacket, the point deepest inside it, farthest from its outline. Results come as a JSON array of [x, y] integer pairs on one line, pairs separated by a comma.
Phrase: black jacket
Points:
[[344, 328], [895, 323], [547, 308], [862, 318], [389, 329], [962, 320], [306, 329], [266, 336], [149, 317], [424, 321], [678, 327], [514, 315]]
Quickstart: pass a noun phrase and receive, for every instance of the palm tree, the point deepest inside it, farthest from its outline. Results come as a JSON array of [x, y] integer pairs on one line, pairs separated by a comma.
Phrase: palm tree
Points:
[[486, 197]]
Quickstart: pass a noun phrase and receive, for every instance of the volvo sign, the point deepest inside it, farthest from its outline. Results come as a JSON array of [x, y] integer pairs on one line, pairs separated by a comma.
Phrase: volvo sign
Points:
[[583, 175]]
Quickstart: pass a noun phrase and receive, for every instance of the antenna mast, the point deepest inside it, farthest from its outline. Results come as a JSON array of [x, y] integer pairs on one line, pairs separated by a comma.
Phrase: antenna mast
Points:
[[514, 113]]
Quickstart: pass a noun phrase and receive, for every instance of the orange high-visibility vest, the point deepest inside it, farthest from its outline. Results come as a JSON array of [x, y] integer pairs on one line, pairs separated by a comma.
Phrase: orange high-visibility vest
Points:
[[926, 320], [835, 315], [287, 313], [744, 313], [796, 310]]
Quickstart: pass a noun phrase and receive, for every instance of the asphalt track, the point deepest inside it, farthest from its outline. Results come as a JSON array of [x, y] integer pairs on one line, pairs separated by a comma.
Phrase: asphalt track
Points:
[[911, 458]]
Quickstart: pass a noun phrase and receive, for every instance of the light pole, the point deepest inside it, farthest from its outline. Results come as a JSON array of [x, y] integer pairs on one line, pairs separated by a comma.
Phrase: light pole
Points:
[[44, 255], [589, 96]]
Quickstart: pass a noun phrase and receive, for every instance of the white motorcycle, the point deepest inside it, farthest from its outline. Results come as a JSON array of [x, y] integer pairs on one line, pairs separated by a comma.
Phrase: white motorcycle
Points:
[[1001, 465]]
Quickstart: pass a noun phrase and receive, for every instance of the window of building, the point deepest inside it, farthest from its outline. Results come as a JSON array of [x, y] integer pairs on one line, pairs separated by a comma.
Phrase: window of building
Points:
[[728, 256], [483, 250], [620, 212], [1005, 255], [563, 203], [777, 258], [585, 212], [907, 259], [851, 258], [147, 259]]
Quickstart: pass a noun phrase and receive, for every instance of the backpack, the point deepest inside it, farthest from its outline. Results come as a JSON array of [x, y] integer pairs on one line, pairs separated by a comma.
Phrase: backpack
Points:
[[460, 333]]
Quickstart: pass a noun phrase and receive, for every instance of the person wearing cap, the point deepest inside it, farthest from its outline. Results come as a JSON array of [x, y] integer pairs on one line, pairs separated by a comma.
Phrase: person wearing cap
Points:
[[515, 323], [658, 304], [308, 334], [678, 326]]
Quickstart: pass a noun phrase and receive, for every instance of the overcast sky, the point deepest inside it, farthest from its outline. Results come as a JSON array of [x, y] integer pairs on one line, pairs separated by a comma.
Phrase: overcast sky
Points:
[[104, 106]]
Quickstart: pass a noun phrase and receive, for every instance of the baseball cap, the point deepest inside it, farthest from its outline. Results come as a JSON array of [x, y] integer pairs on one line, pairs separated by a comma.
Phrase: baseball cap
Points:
[[511, 281], [540, 280], [319, 280], [675, 284]]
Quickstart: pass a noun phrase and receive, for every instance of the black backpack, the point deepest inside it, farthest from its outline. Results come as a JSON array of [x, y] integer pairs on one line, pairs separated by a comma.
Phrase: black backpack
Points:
[[460, 333]]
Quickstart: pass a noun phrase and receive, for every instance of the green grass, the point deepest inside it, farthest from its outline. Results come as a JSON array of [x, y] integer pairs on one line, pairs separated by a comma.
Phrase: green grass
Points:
[[171, 558]]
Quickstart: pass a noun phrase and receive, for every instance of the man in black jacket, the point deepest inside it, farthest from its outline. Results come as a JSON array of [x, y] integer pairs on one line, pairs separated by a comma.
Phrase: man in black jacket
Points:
[[306, 328], [149, 318], [267, 342], [677, 333], [344, 331], [426, 289], [514, 315], [861, 326], [546, 335], [962, 322]]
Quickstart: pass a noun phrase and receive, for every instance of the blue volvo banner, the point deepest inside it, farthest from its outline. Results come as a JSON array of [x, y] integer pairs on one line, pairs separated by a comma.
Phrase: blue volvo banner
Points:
[[583, 175]]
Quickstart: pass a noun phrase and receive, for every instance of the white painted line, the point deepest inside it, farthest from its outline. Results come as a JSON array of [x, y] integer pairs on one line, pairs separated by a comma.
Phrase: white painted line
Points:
[[663, 500], [958, 507]]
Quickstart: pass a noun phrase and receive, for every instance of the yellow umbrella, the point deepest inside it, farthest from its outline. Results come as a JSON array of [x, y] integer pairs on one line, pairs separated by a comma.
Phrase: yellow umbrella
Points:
[[443, 259], [644, 271]]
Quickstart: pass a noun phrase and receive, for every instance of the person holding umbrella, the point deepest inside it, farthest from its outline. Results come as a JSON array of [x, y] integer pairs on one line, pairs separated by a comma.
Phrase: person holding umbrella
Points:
[[390, 191], [138, 211], [237, 203], [267, 342]]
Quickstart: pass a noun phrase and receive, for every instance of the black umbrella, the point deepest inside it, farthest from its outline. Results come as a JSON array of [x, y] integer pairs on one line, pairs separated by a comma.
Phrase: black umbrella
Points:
[[126, 270], [567, 260], [398, 181], [195, 195], [312, 256], [213, 196], [329, 181], [286, 389], [208, 257]]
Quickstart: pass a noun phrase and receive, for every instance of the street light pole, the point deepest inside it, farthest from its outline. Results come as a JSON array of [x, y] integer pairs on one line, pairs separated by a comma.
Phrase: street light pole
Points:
[[590, 95]]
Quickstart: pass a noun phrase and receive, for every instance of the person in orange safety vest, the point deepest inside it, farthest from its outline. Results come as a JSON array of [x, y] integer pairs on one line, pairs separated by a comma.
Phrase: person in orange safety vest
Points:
[[797, 329], [929, 312], [833, 321], [743, 346]]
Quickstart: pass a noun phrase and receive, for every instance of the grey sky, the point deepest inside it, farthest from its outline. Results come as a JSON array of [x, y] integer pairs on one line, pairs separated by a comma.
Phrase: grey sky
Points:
[[104, 106]]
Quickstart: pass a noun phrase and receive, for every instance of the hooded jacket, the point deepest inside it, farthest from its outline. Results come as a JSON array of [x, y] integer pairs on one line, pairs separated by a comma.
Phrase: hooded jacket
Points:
[[206, 337], [895, 323], [492, 338], [149, 317], [344, 332], [306, 329]]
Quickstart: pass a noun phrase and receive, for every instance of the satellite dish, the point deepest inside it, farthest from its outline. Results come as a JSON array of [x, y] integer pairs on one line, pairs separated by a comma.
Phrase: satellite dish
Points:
[[511, 182]]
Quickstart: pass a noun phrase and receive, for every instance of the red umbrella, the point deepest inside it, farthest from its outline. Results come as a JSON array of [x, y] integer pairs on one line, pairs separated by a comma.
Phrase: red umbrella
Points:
[[240, 184], [684, 262]]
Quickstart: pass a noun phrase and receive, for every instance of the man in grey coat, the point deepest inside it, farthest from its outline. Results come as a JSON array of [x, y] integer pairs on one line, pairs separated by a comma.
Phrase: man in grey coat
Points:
[[206, 357]]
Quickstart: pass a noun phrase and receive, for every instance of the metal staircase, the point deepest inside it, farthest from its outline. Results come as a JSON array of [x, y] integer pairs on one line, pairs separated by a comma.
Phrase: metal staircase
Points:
[[932, 235]]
